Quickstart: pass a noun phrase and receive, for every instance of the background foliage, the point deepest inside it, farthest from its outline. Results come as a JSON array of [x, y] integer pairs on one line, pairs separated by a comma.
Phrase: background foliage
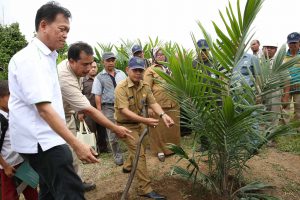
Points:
[[11, 41]]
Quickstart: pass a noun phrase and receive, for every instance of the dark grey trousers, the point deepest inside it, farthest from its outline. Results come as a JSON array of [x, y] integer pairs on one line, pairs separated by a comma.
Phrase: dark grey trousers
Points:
[[57, 178]]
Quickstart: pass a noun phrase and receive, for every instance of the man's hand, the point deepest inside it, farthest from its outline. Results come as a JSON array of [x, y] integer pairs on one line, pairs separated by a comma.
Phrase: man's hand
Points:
[[151, 122], [80, 117], [85, 152], [151, 113], [122, 132], [9, 171], [168, 120]]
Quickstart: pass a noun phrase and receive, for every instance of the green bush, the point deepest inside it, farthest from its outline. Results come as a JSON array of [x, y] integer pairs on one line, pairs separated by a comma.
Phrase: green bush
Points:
[[11, 41]]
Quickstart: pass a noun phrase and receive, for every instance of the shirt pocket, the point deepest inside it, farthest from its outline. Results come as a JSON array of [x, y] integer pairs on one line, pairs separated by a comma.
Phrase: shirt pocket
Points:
[[132, 106]]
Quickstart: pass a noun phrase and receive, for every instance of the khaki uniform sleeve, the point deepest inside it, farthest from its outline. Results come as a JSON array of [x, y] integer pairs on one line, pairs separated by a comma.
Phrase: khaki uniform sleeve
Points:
[[148, 77], [71, 92], [121, 98], [150, 97]]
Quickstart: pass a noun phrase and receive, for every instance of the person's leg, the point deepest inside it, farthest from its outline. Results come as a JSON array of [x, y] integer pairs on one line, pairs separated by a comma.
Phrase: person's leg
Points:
[[8, 187], [108, 111], [101, 139], [30, 193], [297, 106], [57, 176], [276, 108], [286, 112], [76, 161]]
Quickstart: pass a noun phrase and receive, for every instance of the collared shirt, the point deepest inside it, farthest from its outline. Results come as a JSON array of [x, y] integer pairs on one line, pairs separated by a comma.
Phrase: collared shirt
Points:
[[71, 89], [104, 87], [131, 97], [294, 70], [259, 53], [11, 157], [87, 85], [246, 68], [33, 79]]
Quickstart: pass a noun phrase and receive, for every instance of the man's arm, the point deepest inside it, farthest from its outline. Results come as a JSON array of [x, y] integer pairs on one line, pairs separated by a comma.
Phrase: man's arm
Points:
[[158, 110], [134, 117], [98, 117], [98, 101], [83, 151]]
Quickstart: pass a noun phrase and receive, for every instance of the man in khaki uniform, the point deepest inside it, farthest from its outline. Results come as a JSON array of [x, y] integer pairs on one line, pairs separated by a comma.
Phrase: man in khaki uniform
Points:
[[80, 59], [131, 95]]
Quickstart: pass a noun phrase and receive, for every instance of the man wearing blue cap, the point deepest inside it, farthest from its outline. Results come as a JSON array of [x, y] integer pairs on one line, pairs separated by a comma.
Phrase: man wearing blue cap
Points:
[[292, 93], [131, 96], [137, 51], [203, 58]]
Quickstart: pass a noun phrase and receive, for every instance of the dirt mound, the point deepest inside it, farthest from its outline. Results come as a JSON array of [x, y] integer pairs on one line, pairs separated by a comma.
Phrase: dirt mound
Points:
[[272, 166]]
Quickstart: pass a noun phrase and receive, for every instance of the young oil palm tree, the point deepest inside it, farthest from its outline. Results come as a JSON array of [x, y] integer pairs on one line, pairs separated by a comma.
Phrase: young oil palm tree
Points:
[[227, 110]]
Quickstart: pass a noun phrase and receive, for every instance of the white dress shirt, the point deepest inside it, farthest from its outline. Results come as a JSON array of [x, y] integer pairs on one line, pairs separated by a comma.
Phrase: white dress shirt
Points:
[[33, 79]]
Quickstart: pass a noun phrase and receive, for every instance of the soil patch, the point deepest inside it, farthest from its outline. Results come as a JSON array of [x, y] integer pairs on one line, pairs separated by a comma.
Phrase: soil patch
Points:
[[271, 166]]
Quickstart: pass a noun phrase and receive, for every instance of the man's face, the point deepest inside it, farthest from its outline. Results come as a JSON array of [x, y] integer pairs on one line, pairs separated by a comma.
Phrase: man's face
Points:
[[254, 46], [204, 55], [56, 32], [135, 75], [93, 70], [109, 64], [82, 66], [270, 51], [294, 46], [139, 54]]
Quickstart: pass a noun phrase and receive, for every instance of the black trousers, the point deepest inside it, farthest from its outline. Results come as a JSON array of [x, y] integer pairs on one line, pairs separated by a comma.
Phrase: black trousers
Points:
[[57, 178]]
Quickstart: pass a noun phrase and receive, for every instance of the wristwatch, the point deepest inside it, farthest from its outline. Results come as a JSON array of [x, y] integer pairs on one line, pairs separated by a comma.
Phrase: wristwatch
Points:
[[162, 114]]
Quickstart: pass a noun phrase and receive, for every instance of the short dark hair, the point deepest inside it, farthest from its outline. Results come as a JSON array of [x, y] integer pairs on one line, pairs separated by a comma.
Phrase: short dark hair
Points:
[[76, 48], [4, 90], [49, 11]]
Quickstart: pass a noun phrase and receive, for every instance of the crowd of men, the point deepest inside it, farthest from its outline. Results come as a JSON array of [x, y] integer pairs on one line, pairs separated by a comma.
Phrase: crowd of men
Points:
[[44, 99]]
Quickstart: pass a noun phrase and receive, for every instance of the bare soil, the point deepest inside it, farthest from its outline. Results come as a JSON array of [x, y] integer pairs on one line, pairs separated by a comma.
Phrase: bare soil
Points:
[[280, 169]]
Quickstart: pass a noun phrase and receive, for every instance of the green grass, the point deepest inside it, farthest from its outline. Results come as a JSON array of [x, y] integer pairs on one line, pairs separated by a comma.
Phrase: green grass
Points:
[[290, 143], [291, 187]]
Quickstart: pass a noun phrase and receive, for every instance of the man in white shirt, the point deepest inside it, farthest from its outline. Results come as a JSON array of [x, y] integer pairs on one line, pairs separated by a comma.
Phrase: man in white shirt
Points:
[[38, 128]]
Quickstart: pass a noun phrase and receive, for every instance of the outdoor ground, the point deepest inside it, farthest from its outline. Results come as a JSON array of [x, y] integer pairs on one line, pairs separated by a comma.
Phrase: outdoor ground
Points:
[[271, 165]]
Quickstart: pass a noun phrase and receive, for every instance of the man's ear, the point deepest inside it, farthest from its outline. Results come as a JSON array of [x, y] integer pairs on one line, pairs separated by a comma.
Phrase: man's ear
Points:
[[43, 24], [71, 61], [127, 70]]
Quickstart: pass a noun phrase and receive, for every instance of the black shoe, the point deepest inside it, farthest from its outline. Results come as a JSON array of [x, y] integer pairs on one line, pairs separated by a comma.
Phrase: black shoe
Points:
[[153, 195], [88, 186], [126, 171]]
